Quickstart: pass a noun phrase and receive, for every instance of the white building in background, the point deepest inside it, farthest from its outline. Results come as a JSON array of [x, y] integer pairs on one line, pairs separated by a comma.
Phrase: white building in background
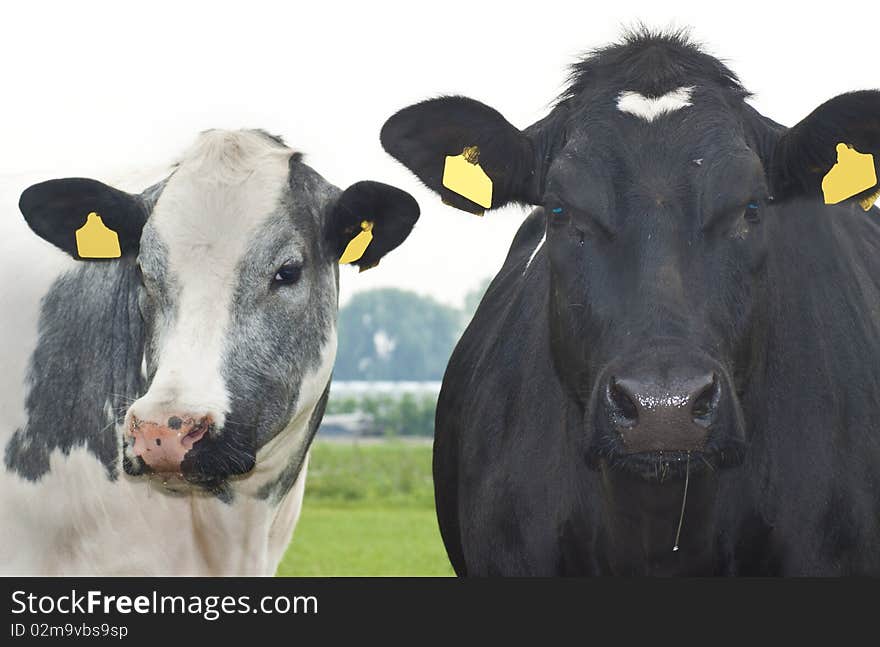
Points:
[[355, 388]]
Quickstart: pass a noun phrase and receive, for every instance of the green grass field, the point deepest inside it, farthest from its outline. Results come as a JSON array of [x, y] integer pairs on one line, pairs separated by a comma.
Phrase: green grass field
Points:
[[369, 510]]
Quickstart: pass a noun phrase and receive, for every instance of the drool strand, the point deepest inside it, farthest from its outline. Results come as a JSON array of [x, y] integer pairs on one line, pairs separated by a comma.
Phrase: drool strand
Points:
[[684, 499]]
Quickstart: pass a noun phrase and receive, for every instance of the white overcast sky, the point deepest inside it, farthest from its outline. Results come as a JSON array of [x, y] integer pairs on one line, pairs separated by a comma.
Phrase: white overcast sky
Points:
[[102, 88]]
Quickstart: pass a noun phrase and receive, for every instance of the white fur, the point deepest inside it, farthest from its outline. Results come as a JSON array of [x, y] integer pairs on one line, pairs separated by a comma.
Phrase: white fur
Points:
[[650, 108], [74, 520], [535, 251]]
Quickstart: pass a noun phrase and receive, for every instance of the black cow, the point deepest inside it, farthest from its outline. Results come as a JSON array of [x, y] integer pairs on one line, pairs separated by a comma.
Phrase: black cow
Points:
[[677, 369]]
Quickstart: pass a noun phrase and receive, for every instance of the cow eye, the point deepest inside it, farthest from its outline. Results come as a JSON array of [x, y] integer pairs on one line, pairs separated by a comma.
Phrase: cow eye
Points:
[[752, 212], [288, 274], [556, 212]]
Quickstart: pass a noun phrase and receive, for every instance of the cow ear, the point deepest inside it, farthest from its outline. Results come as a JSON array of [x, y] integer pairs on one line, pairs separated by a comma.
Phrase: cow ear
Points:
[[367, 221], [833, 154], [85, 218], [465, 151]]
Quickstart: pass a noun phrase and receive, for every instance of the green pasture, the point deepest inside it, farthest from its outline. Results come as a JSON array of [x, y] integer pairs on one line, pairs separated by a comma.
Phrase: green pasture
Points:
[[369, 510]]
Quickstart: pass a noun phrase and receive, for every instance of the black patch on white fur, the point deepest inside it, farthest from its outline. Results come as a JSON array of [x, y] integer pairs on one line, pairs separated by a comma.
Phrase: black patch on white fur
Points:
[[89, 352]]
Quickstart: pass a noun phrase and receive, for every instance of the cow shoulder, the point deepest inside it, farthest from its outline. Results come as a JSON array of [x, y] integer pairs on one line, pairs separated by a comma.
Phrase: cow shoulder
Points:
[[518, 290], [499, 394], [824, 270]]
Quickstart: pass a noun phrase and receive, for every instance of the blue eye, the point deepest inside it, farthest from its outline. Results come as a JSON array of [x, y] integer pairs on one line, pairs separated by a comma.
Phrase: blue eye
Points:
[[557, 210]]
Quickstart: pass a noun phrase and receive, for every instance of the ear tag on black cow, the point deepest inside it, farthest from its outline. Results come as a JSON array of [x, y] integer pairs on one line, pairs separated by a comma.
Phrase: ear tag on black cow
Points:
[[853, 173], [96, 240], [464, 175], [358, 245]]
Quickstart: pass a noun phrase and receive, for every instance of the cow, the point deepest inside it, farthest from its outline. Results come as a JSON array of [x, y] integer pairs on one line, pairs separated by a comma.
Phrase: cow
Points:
[[167, 356], [676, 371]]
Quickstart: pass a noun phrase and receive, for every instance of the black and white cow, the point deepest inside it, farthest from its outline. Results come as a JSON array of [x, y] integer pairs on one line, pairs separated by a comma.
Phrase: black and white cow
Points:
[[677, 369], [159, 406]]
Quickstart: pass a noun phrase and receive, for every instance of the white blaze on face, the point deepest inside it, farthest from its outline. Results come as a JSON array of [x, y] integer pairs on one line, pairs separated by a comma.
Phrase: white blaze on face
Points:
[[649, 108], [225, 187]]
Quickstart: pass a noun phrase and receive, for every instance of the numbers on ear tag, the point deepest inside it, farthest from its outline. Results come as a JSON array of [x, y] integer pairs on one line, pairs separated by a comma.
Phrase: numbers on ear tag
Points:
[[96, 240], [358, 245], [464, 175], [853, 173]]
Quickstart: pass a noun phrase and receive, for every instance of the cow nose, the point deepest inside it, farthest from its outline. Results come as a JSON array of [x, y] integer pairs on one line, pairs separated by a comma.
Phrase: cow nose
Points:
[[162, 445], [663, 414]]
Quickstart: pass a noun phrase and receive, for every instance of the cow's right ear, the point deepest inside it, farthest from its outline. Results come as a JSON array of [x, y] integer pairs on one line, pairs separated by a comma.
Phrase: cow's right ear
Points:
[[834, 151], [85, 218], [465, 151]]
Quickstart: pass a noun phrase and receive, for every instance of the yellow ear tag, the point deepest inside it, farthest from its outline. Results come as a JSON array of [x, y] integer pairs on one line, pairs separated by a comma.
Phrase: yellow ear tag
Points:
[[95, 240], [464, 175], [853, 173], [358, 245]]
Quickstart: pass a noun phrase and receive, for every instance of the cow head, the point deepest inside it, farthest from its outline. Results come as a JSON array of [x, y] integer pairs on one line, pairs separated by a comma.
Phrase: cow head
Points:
[[237, 253], [656, 179]]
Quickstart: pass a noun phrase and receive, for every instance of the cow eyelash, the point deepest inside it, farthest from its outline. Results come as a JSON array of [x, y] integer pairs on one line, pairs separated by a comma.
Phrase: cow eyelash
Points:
[[289, 273], [586, 226], [751, 212]]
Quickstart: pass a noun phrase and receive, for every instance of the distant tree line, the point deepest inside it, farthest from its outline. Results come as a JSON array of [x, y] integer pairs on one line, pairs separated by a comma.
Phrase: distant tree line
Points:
[[391, 334]]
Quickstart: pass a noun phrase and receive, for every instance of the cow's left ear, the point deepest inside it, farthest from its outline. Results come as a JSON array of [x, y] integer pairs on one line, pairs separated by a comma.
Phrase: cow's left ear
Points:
[[833, 154], [85, 218], [367, 221]]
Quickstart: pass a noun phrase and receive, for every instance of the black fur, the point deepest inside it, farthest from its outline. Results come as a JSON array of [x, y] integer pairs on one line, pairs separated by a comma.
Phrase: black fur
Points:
[[651, 64]]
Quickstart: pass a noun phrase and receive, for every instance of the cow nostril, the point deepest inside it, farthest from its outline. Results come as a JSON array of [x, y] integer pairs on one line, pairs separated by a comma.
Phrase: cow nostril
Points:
[[706, 401], [622, 404]]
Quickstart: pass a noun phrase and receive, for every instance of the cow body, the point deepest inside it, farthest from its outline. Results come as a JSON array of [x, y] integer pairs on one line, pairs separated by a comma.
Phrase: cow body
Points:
[[87, 348], [675, 372]]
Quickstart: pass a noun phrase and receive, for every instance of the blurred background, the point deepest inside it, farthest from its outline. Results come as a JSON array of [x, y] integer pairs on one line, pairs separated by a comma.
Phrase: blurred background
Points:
[[104, 89]]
